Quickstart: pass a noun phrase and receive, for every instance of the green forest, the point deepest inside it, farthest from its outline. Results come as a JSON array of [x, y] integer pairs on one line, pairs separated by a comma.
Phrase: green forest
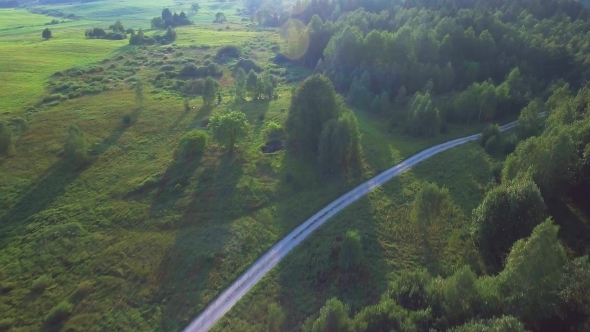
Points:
[[145, 166]]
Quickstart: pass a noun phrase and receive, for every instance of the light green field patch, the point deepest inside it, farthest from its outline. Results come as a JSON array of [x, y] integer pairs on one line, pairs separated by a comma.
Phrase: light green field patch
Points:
[[13, 18], [194, 35], [27, 60], [137, 14]]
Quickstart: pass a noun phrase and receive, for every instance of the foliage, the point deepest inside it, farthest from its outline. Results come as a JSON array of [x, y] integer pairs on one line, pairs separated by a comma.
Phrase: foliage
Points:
[[75, 145], [529, 122], [195, 7], [41, 283], [191, 144], [339, 145], [429, 204], [424, 117], [276, 318], [46, 34], [530, 279], [409, 289], [209, 90], [169, 19], [573, 290], [508, 213], [333, 317], [350, 252], [274, 131], [240, 85], [229, 128], [117, 32], [6, 139], [312, 105], [493, 130], [219, 18], [502, 324]]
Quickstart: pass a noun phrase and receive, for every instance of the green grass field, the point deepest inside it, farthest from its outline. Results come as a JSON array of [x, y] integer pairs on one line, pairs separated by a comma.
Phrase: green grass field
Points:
[[138, 241]]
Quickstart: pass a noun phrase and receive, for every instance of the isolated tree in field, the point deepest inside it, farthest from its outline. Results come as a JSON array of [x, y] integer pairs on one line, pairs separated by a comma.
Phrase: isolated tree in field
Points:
[[46, 34], [209, 91], [139, 93], [312, 105], [351, 251], [75, 145], [220, 17], [228, 128], [240, 85], [508, 213], [6, 139], [276, 318], [252, 85], [530, 279], [195, 7]]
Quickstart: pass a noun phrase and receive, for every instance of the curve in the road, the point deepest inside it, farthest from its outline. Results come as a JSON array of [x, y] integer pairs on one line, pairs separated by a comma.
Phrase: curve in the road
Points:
[[238, 288]]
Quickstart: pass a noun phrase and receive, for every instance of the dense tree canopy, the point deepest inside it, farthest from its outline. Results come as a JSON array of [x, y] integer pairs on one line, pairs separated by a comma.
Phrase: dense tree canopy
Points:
[[228, 128], [507, 214]]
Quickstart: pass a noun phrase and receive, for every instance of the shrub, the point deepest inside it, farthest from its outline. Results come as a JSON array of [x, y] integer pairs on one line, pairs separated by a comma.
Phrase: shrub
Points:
[[192, 144], [6, 324], [60, 312], [490, 131], [186, 104], [41, 283], [274, 131], [492, 144], [6, 139], [167, 68], [231, 51], [247, 65]]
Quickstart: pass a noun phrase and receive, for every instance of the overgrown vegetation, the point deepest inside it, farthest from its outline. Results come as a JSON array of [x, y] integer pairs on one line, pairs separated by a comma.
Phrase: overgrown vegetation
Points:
[[134, 221]]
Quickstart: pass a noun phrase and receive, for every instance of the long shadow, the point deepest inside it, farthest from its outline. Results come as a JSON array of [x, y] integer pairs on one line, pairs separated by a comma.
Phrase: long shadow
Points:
[[189, 276], [51, 184], [173, 182], [572, 215]]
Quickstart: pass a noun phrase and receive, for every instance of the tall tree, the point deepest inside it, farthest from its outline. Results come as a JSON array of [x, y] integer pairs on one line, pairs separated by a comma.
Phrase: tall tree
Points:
[[424, 118], [252, 85], [209, 90], [529, 123], [530, 279], [195, 7], [228, 128], [508, 213], [46, 34], [312, 105], [351, 251], [240, 84]]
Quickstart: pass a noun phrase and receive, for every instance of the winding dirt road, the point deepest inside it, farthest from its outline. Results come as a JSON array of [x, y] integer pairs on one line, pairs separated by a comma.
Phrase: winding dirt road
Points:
[[226, 300]]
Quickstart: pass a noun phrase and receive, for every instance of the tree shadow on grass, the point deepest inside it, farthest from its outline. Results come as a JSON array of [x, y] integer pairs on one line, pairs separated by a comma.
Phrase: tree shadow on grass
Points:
[[51, 184], [189, 275]]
